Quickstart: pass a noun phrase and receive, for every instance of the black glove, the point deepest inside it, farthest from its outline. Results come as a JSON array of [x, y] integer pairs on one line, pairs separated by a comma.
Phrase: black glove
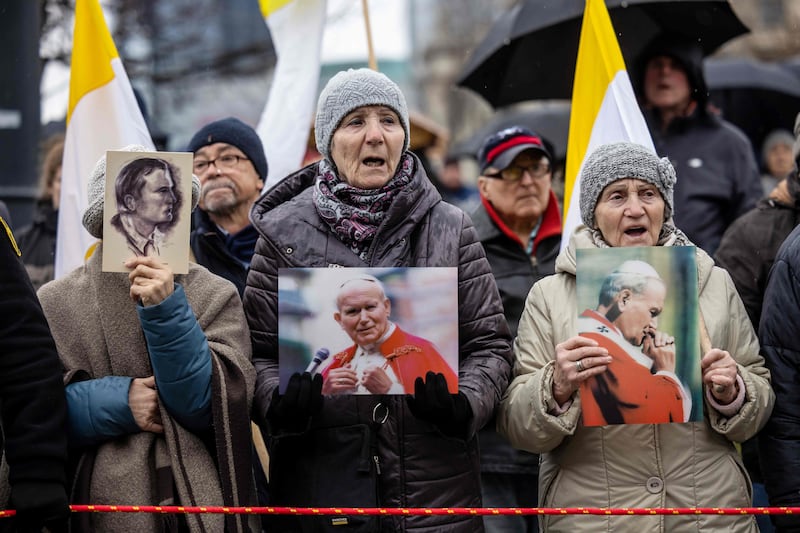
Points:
[[38, 505], [433, 402], [302, 400]]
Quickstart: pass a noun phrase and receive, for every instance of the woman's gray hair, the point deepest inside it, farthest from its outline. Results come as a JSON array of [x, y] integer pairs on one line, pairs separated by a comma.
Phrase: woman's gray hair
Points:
[[621, 160], [632, 275]]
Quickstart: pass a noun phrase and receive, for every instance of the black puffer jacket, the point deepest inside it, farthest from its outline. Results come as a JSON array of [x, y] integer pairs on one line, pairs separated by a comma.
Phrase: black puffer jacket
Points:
[[334, 462], [779, 331]]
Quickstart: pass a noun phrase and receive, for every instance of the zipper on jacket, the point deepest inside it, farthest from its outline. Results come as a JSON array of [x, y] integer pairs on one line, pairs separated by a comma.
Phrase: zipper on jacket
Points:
[[377, 461]]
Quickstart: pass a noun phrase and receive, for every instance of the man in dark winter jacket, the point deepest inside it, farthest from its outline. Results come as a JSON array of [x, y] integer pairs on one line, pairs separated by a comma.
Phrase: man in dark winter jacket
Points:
[[34, 405], [717, 173], [519, 226], [747, 251], [230, 162], [748, 248], [779, 441]]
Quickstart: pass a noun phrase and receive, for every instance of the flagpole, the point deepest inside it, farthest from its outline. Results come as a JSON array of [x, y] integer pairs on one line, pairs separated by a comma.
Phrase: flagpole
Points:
[[373, 63]]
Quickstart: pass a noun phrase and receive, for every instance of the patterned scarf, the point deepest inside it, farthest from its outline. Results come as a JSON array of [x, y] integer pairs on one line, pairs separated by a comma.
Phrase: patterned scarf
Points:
[[355, 214], [669, 236]]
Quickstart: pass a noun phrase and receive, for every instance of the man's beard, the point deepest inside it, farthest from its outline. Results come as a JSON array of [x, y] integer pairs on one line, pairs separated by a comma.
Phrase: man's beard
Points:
[[223, 206], [223, 209]]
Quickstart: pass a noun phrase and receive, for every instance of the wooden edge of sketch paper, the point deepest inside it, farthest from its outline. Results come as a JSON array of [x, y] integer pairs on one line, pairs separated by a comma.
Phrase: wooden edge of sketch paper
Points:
[[705, 345], [261, 449]]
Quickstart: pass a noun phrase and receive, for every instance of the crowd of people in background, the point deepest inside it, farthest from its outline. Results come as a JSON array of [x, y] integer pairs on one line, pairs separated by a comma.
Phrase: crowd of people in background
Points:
[[155, 388]]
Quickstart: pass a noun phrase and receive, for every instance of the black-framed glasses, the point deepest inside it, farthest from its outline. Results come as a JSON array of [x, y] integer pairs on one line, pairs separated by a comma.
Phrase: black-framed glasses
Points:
[[514, 172], [223, 161]]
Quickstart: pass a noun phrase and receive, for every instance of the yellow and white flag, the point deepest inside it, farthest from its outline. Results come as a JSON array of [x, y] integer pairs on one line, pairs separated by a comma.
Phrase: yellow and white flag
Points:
[[604, 107], [102, 115], [296, 27]]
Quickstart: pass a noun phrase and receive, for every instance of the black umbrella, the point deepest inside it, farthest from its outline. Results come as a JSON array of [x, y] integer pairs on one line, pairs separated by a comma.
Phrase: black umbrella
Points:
[[756, 96], [530, 52], [548, 119]]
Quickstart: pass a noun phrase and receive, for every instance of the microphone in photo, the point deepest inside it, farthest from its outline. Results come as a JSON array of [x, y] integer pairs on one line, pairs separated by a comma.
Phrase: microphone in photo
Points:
[[319, 357]]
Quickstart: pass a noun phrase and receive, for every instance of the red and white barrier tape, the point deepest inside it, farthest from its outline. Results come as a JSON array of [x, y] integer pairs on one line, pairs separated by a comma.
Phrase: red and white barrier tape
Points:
[[395, 511]]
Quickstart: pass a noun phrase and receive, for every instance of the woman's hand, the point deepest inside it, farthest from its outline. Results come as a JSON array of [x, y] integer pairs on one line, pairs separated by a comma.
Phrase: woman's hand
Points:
[[143, 401], [339, 381], [577, 359], [151, 280], [719, 375], [660, 347]]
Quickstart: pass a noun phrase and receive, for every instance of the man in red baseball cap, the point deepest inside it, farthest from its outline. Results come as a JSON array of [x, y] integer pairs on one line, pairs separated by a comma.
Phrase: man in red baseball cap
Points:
[[519, 225]]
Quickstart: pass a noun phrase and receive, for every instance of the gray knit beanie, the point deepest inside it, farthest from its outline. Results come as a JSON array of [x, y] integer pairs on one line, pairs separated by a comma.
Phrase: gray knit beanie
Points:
[[797, 139], [93, 216], [615, 161], [349, 90]]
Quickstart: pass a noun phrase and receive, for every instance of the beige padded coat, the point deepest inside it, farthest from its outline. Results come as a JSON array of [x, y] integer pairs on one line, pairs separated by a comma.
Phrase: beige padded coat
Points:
[[666, 465]]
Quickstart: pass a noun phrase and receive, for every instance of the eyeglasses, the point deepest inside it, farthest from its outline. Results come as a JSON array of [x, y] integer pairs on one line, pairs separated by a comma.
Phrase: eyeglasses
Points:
[[515, 172], [224, 161]]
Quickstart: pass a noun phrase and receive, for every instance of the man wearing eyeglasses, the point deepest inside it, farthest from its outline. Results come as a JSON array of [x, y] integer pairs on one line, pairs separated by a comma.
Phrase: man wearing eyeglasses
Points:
[[229, 160], [519, 225]]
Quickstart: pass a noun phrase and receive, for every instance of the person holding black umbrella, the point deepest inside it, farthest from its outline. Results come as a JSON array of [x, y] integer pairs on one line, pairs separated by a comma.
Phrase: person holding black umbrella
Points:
[[717, 173]]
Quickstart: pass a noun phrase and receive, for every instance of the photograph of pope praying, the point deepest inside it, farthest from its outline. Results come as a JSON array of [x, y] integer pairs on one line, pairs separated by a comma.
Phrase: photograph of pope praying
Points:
[[640, 304], [368, 330], [150, 217]]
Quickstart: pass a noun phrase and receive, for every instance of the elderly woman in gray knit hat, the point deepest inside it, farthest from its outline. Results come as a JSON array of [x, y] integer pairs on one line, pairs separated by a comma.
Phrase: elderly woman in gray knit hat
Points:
[[159, 385], [369, 203], [626, 200]]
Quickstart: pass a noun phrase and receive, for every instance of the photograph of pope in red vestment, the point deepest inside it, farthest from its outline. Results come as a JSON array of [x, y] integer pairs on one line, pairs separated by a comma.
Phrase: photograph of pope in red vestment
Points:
[[642, 384], [366, 345]]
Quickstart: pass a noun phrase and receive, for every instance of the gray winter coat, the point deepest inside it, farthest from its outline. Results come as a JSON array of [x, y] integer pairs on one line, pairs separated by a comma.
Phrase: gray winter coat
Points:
[[347, 457]]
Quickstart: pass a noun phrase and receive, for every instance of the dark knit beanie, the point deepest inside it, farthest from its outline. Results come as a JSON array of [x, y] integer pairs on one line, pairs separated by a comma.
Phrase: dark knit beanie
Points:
[[616, 161], [236, 133]]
